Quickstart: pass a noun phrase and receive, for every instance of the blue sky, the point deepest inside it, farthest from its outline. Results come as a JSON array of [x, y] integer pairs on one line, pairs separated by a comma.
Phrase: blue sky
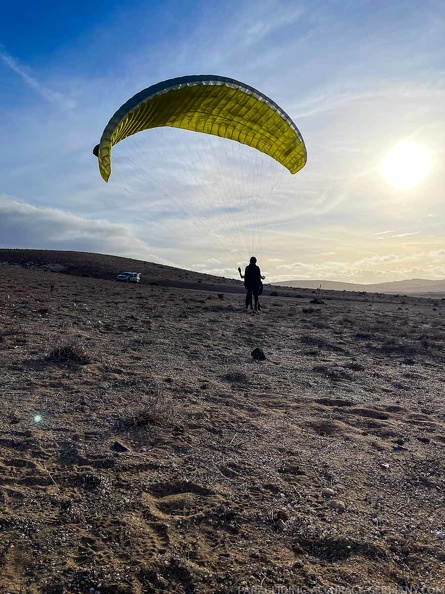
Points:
[[357, 77]]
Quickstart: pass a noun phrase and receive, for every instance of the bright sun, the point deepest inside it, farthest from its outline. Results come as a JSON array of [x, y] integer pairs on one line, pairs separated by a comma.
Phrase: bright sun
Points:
[[406, 165]]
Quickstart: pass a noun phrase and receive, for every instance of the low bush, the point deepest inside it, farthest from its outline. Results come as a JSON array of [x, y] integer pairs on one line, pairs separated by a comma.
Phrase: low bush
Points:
[[71, 350], [158, 410]]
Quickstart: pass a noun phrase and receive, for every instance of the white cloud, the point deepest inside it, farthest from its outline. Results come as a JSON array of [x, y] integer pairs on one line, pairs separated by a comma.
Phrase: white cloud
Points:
[[54, 97], [265, 19], [377, 268], [406, 234], [383, 232], [27, 226]]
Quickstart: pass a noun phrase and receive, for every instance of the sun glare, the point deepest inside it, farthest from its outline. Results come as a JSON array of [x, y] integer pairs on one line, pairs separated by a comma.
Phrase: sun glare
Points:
[[406, 165]]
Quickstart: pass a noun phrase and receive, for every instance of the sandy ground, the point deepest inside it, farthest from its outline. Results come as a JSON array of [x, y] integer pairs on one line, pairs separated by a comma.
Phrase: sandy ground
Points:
[[144, 450]]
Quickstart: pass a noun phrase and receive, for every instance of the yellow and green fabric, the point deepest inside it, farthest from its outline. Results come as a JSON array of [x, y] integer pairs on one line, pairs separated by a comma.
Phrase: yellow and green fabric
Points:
[[212, 105]]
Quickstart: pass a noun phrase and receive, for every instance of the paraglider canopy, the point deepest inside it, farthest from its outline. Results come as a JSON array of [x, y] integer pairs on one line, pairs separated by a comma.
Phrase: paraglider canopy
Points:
[[213, 105]]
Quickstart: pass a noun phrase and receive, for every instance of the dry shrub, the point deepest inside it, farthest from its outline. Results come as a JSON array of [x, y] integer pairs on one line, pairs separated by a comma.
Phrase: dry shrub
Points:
[[236, 377], [70, 350], [158, 410]]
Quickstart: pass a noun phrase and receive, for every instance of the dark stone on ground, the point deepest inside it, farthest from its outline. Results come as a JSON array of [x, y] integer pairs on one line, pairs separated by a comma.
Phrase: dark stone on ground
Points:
[[258, 354]]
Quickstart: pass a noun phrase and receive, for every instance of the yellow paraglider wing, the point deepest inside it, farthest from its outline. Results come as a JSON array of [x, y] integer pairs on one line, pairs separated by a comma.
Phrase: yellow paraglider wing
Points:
[[212, 105]]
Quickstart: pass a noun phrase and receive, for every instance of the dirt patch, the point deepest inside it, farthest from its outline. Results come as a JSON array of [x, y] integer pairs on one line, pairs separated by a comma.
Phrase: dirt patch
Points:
[[167, 459]]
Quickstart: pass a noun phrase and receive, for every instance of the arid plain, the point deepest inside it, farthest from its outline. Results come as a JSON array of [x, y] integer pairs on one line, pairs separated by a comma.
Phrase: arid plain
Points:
[[144, 450]]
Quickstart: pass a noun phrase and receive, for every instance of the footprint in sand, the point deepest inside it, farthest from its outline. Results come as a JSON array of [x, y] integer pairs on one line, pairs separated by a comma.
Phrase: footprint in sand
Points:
[[24, 472], [128, 536], [180, 499]]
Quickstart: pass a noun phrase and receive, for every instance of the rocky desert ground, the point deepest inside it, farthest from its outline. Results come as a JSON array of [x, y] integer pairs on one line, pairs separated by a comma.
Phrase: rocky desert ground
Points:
[[144, 450]]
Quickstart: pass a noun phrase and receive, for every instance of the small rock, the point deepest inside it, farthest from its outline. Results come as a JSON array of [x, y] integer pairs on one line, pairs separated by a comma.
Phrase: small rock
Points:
[[337, 505], [282, 515], [258, 354], [327, 492], [119, 447], [384, 465]]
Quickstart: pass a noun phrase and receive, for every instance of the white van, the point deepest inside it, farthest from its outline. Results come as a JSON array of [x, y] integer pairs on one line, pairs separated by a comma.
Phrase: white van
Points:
[[129, 277]]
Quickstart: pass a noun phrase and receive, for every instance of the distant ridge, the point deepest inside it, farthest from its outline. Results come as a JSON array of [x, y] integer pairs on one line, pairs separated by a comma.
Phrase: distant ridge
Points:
[[106, 267], [412, 286]]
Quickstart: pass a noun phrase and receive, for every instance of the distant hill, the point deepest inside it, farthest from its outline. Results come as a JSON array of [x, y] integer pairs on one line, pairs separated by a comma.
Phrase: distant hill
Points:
[[108, 267], [412, 286]]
